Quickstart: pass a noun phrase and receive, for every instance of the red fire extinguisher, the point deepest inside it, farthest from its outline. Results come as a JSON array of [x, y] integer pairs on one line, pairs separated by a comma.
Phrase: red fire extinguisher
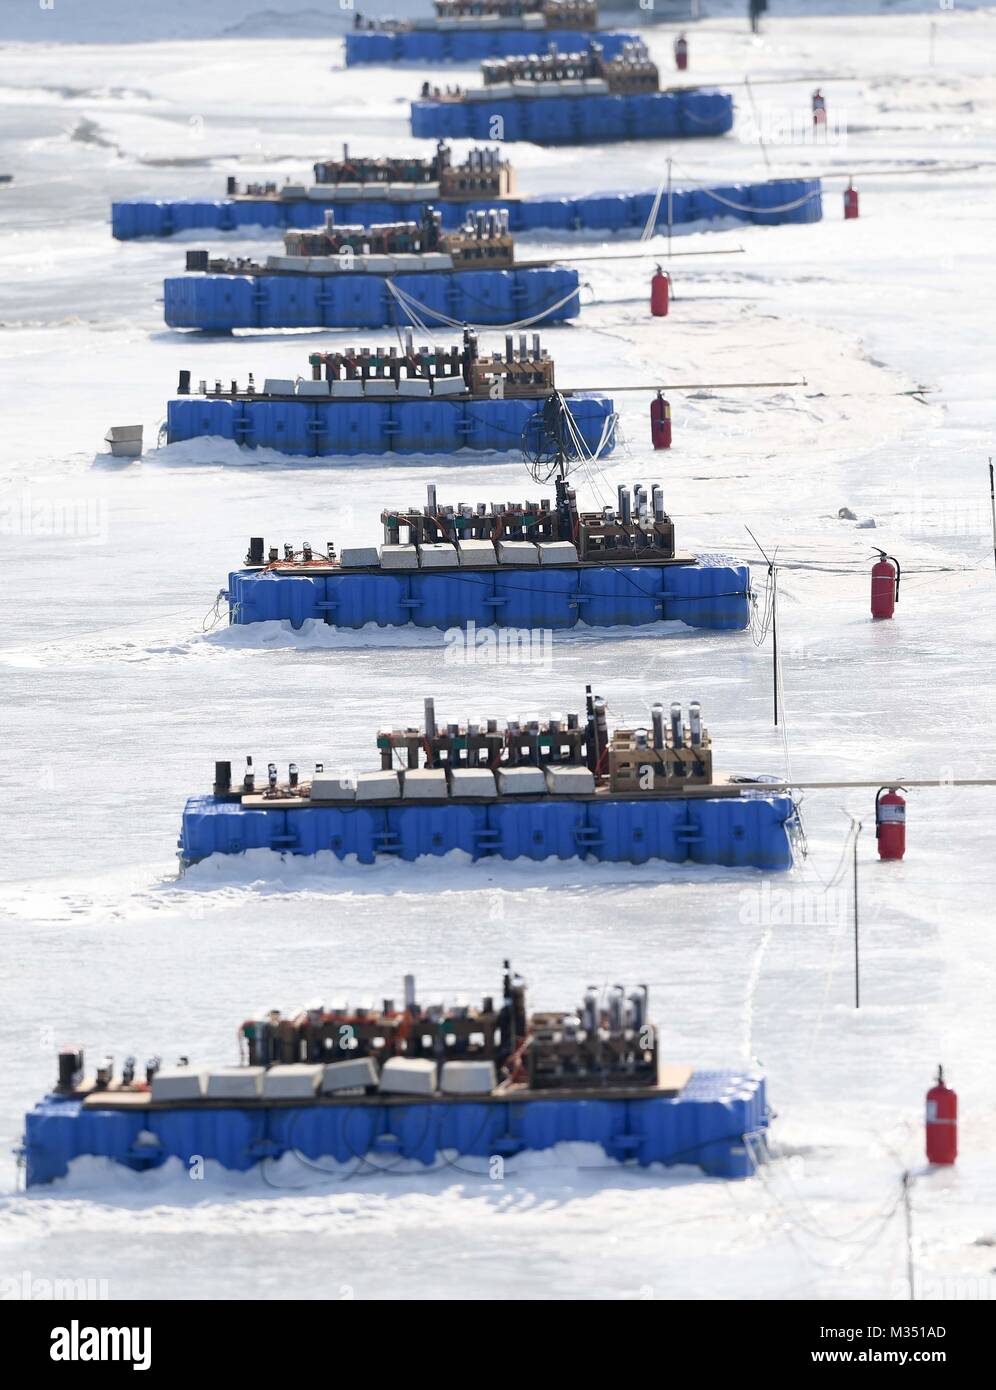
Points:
[[942, 1122], [660, 290], [660, 423], [850, 202], [890, 822], [885, 585], [681, 53]]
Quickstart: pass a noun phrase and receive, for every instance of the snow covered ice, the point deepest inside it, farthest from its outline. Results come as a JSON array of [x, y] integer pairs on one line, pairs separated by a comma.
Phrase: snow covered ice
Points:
[[118, 699]]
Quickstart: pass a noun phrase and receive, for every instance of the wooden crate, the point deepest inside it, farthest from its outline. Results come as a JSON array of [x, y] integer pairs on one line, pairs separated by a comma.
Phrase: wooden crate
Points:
[[669, 767]]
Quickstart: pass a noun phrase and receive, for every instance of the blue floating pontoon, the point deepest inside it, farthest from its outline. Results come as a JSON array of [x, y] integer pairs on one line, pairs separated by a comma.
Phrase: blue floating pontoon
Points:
[[576, 120], [707, 595], [732, 831], [345, 428], [541, 295], [710, 1124], [471, 46], [774, 202]]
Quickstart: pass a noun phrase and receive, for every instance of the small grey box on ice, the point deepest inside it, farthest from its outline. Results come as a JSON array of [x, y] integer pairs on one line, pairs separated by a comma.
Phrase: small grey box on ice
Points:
[[359, 557], [177, 1083], [355, 1074], [448, 386], [518, 553], [471, 781], [377, 786], [437, 555], [332, 786], [410, 1076], [569, 781], [235, 1083], [292, 1081], [424, 783], [557, 553], [399, 557], [468, 1078], [476, 554], [521, 781], [125, 441]]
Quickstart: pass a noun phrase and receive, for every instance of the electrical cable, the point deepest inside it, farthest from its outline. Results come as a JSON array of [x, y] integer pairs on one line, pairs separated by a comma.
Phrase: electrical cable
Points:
[[409, 304]]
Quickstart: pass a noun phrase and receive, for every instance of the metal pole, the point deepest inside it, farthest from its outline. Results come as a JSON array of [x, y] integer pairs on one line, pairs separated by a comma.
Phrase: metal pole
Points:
[[757, 122], [670, 206], [774, 637], [637, 256], [857, 959], [992, 503], [908, 1205], [692, 386]]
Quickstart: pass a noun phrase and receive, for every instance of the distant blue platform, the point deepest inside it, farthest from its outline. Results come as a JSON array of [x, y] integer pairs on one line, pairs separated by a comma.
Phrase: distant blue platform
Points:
[[770, 203], [327, 429], [499, 297], [735, 832], [705, 1125], [700, 595], [577, 120], [472, 46]]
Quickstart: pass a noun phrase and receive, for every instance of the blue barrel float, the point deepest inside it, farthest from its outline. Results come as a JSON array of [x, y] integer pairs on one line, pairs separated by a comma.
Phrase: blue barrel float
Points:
[[709, 1123], [775, 202], [732, 831], [345, 300], [708, 594], [577, 120], [311, 428], [470, 46]]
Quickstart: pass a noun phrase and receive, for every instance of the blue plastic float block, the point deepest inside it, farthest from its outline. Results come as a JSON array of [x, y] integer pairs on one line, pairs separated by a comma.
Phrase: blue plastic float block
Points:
[[708, 596], [649, 830], [714, 596], [357, 599], [544, 599], [740, 832], [498, 297], [723, 202], [57, 1131], [231, 828], [705, 1125], [568, 120], [763, 203], [641, 205], [358, 830], [628, 595], [703, 113], [589, 416], [786, 200], [260, 598], [732, 832], [471, 46], [451, 600], [416, 831], [536, 830], [498, 424], [348, 428], [210, 301]]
